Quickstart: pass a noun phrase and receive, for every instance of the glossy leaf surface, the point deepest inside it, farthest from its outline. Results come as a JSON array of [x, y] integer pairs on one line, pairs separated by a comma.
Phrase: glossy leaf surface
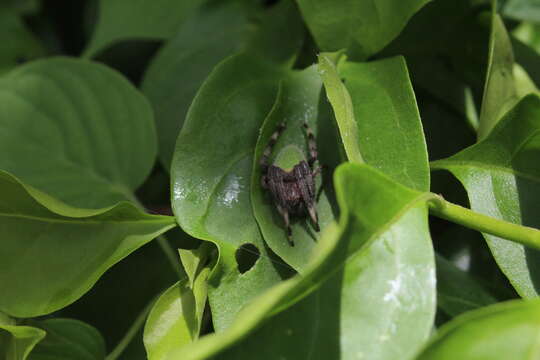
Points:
[[367, 211], [502, 175], [68, 339], [211, 174], [52, 253], [362, 27], [498, 332], [89, 138]]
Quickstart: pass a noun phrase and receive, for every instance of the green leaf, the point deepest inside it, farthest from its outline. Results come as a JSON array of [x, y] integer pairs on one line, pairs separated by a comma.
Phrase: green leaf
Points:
[[362, 27], [457, 291], [175, 319], [52, 253], [215, 31], [499, 91], [528, 10], [16, 342], [211, 172], [503, 331], [502, 176], [341, 102], [76, 130], [120, 20], [68, 339], [19, 43], [297, 102], [372, 207]]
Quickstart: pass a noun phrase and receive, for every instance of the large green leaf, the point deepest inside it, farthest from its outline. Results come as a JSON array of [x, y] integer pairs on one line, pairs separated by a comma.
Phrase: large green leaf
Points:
[[372, 207], [19, 43], [502, 176], [68, 339], [16, 342], [363, 27], [52, 253], [211, 172], [120, 20], [216, 30], [498, 332], [76, 130], [499, 91]]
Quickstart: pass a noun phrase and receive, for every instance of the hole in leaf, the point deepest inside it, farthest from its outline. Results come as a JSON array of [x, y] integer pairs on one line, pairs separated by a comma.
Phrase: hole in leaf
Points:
[[246, 257]]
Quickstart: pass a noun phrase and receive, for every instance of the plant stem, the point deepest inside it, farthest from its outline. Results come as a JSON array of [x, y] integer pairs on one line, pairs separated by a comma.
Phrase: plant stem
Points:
[[524, 235], [130, 334]]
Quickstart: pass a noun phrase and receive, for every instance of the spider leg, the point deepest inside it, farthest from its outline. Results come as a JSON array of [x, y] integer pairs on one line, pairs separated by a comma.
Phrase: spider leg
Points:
[[285, 214], [312, 145], [265, 159]]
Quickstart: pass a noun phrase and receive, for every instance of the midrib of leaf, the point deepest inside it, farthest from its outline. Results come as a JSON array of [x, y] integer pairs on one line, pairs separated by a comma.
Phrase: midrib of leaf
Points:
[[74, 344], [85, 222], [443, 164]]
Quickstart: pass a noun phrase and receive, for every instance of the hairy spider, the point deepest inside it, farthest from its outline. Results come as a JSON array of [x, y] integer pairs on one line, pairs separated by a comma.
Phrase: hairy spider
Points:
[[292, 188]]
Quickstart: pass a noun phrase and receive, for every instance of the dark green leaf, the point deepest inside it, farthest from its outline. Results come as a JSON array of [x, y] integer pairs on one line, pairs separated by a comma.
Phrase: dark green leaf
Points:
[[126, 19], [19, 43], [52, 253], [75, 130], [500, 90], [362, 27], [216, 30], [502, 176], [457, 291], [498, 332], [68, 339]]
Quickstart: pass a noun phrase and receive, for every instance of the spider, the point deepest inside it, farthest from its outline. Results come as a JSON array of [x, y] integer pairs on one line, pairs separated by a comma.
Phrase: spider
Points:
[[292, 187]]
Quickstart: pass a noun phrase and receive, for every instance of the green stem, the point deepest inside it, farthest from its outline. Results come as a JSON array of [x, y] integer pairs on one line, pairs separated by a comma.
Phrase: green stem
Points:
[[524, 235], [130, 334]]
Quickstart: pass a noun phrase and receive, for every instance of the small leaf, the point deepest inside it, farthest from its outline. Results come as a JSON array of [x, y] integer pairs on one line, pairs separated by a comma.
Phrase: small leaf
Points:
[[499, 90], [457, 291], [175, 318], [52, 253], [120, 20], [76, 130], [502, 178], [16, 342], [68, 339], [498, 332], [215, 31], [361, 27]]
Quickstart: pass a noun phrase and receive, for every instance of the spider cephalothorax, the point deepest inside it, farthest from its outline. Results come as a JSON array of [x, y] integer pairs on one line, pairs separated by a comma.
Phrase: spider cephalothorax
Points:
[[292, 188]]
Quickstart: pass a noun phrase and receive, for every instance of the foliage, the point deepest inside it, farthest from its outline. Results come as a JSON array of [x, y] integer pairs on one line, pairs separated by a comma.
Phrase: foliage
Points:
[[147, 109]]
